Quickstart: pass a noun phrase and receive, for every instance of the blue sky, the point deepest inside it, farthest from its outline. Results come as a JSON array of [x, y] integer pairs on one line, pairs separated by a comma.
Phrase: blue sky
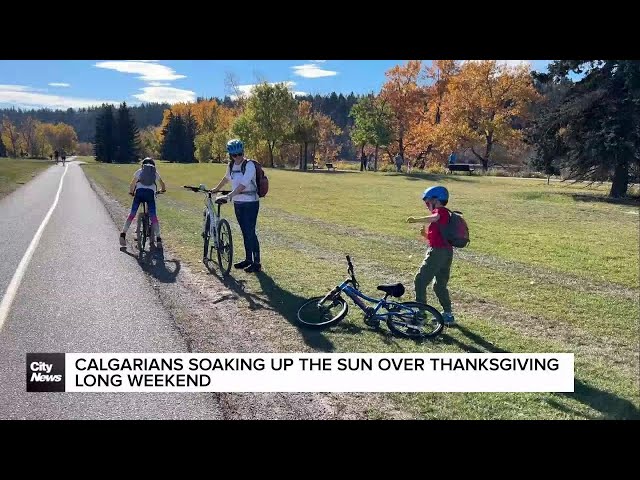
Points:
[[80, 83]]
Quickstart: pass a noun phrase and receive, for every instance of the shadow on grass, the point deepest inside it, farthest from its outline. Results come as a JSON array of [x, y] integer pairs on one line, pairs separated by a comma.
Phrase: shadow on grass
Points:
[[327, 172], [287, 304], [583, 197], [429, 176], [609, 404], [477, 343], [238, 287], [154, 264]]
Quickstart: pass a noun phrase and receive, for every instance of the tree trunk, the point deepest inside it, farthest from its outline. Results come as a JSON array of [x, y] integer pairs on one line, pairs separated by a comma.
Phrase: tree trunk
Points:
[[620, 181], [375, 162], [361, 157], [484, 161], [300, 158], [306, 144], [270, 145]]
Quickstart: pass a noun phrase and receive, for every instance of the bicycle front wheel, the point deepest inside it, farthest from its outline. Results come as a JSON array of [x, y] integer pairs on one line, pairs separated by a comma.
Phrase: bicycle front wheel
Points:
[[415, 320], [225, 247], [312, 315], [206, 255]]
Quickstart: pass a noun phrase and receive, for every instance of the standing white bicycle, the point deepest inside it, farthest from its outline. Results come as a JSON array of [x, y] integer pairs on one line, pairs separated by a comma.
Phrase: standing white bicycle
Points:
[[217, 228]]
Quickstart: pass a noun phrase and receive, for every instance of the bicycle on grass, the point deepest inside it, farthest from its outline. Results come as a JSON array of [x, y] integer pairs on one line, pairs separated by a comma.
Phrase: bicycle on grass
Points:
[[405, 319], [217, 228]]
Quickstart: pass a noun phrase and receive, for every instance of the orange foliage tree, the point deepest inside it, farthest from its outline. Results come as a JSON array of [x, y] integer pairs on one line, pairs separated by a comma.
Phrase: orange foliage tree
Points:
[[483, 107]]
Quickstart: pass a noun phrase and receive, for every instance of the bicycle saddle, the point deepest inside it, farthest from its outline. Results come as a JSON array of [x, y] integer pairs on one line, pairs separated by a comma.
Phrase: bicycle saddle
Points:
[[395, 290]]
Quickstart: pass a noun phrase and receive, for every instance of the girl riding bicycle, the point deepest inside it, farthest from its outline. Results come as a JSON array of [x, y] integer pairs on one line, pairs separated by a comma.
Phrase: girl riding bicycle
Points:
[[143, 189]]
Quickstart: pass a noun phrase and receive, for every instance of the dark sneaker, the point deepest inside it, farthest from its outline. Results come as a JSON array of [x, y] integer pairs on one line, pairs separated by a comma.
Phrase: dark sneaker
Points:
[[448, 317], [254, 267], [123, 240], [159, 243], [242, 264]]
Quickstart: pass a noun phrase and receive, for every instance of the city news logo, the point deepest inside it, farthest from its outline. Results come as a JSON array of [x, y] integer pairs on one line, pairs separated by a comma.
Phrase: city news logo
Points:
[[45, 372]]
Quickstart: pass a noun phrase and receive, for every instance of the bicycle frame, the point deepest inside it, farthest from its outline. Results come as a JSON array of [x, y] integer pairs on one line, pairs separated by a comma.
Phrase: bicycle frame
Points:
[[214, 214], [357, 297]]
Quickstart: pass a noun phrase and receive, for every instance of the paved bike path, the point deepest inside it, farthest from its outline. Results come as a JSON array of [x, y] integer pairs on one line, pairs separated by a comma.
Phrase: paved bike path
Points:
[[79, 293]]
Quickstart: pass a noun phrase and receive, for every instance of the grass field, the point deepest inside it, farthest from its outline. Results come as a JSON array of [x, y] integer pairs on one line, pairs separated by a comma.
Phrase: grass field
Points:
[[17, 171], [551, 268]]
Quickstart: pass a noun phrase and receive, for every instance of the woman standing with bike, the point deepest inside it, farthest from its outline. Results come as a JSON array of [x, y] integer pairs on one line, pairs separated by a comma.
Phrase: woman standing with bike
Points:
[[246, 202]]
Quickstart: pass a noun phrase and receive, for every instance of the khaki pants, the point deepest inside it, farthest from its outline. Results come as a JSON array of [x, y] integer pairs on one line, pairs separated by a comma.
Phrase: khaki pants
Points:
[[436, 264]]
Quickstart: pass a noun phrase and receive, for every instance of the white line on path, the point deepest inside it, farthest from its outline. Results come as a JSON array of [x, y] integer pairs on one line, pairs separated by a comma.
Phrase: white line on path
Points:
[[24, 263]]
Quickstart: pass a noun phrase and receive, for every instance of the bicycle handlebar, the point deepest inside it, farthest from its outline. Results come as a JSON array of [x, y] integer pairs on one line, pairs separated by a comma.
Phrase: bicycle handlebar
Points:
[[157, 193], [351, 272], [198, 189]]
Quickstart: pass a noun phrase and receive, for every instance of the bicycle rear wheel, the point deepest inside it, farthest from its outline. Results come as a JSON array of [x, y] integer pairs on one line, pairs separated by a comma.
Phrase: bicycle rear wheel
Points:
[[139, 233], [329, 313], [225, 247], [415, 320]]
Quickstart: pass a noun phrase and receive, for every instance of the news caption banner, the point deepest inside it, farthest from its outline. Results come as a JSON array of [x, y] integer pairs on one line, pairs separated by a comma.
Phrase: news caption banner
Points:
[[300, 372]]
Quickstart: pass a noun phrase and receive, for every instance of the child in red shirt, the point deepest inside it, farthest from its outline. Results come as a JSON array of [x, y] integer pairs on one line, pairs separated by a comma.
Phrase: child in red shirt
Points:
[[439, 256]]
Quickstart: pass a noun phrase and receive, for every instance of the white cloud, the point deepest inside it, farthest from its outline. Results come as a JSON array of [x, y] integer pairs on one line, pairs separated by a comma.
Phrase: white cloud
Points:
[[59, 84], [509, 63], [159, 84], [318, 61], [311, 70], [22, 96], [245, 90], [165, 94], [21, 88], [148, 70]]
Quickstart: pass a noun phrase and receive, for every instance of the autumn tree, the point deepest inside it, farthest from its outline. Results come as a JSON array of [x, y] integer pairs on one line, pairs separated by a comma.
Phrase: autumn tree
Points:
[[27, 131], [423, 133], [150, 140], [3, 149], [42, 146], [482, 105], [11, 137], [305, 131], [271, 109], [222, 134], [328, 145], [406, 97]]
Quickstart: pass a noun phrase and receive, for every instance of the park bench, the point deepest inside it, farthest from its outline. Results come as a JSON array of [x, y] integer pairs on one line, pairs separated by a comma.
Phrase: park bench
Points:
[[330, 166], [461, 167]]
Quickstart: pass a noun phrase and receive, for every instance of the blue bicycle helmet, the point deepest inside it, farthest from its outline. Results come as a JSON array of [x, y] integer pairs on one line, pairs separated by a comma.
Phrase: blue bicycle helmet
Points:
[[235, 147], [439, 192]]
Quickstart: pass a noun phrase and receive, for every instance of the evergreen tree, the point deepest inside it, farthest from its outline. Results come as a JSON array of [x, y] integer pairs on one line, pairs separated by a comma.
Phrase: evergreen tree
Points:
[[105, 145], [128, 136]]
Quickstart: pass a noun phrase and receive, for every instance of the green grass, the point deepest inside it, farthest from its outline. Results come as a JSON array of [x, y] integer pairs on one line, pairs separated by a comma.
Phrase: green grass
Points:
[[15, 172], [85, 158], [310, 220]]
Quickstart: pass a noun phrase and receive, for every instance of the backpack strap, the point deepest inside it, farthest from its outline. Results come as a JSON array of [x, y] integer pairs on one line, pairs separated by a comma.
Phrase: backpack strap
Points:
[[440, 228], [243, 169]]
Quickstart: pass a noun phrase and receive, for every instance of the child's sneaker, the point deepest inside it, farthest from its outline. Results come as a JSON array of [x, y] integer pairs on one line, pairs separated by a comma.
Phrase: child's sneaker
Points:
[[123, 240], [448, 317]]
